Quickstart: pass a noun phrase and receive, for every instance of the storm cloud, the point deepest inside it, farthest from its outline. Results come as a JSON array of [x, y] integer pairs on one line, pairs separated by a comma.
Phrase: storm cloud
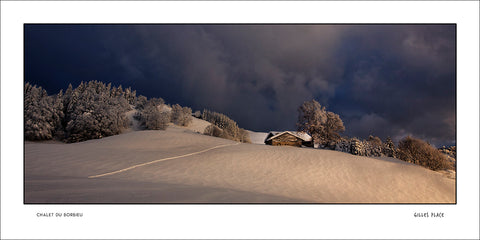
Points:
[[383, 80]]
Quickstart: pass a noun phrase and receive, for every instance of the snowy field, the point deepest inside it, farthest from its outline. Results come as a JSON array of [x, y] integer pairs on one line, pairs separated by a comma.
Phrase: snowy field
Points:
[[181, 166]]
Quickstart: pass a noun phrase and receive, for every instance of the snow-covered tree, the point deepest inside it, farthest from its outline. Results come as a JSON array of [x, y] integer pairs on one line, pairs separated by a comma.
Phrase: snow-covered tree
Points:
[[181, 115], [150, 116], [197, 114], [333, 127], [357, 147], [389, 148], [59, 115], [40, 119], [95, 110], [154, 119], [140, 103], [343, 145], [312, 119], [157, 101], [230, 129], [374, 146], [323, 126], [92, 111], [130, 95]]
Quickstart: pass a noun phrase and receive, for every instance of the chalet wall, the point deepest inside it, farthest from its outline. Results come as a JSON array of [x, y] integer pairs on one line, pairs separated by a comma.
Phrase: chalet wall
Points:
[[286, 139], [279, 143]]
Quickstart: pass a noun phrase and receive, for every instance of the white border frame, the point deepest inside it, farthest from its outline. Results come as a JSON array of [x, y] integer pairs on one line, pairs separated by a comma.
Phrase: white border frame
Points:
[[239, 221]]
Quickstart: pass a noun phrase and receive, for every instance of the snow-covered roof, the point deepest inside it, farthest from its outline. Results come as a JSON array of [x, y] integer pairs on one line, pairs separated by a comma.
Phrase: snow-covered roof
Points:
[[301, 135]]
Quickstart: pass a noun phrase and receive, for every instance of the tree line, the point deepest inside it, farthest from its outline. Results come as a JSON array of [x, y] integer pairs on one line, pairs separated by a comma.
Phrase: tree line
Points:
[[325, 128], [95, 110]]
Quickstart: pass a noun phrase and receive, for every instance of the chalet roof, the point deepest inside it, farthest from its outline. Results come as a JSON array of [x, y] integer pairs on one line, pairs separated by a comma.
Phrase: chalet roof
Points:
[[301, 135]]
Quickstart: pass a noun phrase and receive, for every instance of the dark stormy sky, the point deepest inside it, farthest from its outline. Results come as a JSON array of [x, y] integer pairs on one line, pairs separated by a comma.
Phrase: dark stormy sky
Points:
[[384, 80]]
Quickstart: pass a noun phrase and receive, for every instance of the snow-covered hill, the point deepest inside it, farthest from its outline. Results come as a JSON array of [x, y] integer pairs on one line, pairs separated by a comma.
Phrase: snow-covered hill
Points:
[[198, 125], [178, 165]]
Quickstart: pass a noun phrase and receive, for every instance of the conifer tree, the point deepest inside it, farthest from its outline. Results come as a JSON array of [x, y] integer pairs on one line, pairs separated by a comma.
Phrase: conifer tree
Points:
[[39, 122], [389, 148]]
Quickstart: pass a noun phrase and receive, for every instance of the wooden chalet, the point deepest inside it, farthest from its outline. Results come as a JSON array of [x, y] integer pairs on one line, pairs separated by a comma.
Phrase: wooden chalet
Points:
[[289, 138]]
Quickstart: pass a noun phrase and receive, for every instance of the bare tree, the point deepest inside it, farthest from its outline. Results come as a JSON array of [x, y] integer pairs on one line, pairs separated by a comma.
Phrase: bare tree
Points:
[[419, 152], [213, 130], [244, 136], [333, 127]]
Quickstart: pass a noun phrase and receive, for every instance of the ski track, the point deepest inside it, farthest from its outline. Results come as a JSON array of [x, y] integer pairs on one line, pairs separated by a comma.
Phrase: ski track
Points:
[[160, 160]]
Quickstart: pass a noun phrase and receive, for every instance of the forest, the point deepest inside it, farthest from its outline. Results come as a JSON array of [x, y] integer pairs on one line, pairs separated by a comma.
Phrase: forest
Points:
[[92, 110], [95, 110]]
